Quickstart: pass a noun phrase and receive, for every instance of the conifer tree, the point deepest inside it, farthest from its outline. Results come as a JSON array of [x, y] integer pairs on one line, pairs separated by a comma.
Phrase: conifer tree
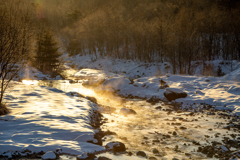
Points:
[[47, 54]]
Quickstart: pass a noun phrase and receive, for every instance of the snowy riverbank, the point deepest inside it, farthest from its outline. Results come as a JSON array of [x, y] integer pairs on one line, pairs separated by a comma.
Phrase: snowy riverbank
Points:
[[45, 119], [216, 91]]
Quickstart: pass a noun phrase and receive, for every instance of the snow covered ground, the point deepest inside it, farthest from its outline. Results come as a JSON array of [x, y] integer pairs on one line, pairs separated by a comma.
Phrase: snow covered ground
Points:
[[45, 119], [222, 92], [135, 69]]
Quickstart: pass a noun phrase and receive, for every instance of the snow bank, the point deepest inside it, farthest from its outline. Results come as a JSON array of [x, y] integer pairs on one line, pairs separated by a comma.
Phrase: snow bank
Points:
[[234, 76], [45, 119], [135, 69], [210, 90], [32, 73]]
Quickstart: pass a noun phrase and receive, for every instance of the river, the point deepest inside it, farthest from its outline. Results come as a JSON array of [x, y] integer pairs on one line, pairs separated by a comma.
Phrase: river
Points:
[[174, 133]]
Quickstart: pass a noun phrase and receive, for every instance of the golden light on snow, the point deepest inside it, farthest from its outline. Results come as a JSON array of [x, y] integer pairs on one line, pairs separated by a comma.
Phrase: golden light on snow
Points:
[[87, 92], [29, 82]]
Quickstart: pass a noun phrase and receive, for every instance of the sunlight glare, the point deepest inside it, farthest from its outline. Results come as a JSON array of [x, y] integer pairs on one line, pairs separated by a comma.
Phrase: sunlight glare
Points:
[[29, 82], [87, 92]]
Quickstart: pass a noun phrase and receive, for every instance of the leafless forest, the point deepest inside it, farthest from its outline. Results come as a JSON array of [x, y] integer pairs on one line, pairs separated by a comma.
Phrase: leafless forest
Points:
[[179, 32]]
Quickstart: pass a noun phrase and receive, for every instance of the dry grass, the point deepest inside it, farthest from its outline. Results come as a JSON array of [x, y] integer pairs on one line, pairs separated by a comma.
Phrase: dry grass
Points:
[[3, 109]]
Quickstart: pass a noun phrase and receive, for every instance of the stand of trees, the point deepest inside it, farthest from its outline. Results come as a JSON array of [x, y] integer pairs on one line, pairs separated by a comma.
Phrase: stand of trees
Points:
[[149, 30]]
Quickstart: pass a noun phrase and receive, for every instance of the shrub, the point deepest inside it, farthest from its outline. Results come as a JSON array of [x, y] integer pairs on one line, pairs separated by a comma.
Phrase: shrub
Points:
[[3, 109]]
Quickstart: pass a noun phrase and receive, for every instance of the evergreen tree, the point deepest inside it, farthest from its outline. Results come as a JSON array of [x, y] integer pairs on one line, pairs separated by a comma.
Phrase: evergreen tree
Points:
[[47, 54]]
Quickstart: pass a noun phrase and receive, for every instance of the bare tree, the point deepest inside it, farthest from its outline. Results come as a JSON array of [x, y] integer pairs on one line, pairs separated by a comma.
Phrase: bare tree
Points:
[[15, 33]]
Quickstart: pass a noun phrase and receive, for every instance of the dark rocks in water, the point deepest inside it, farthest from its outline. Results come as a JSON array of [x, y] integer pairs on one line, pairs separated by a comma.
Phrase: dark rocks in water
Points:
[[96, 118], [131, 81], [216, 151], [126, 112], [183, 128], [103, 158], [163, 84], [92, 99], [155, 151], [158, 107], [155, 141], [116, 146], [141, 154], [187, 154], [129, 154], [174, 93], [72, 81], [153, 100], [86, 156], [109, 133], [152, 158], [77, 94]]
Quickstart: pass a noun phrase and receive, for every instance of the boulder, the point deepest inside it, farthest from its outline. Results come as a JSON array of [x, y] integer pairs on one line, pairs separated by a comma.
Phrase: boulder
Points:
[[115, 146], [155, 151], [141, 154], [174, 93], [126, 112], [103, 158]]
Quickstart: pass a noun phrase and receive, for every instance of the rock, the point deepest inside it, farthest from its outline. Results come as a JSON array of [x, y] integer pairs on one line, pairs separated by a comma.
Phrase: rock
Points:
[[92, 99], [115, 146], [58, 151], [174, 93], [126, 112], [163, 84], [141, 154], [153, 100], [129, 154], [155, 141], [86, 156], [152, 158], [183, 128], [158, 107], [109, 133], [103, 158], [155, 151], [49, 155], [174, 133], [72, 81], [76, 94]]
